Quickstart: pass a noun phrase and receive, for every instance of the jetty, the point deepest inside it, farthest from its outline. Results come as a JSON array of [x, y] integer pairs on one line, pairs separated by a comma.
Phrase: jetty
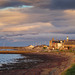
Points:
[[14, 52]]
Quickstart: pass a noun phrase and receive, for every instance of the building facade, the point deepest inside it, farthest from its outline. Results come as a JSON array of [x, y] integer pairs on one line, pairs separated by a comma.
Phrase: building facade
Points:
[[55, 44], [62, 44]]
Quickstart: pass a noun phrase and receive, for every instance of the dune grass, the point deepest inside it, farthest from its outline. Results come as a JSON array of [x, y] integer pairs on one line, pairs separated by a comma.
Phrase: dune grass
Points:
[[70, 71]]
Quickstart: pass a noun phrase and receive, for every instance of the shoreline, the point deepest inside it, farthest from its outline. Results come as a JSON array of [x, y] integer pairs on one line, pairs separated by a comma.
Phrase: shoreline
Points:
[[72, 55], [52, 62]]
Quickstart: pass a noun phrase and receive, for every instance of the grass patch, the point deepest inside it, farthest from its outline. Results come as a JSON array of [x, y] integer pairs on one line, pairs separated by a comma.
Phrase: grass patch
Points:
[[70, 71]]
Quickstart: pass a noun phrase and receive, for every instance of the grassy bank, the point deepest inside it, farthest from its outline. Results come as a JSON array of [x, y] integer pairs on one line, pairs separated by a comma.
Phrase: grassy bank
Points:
[[70, 71]]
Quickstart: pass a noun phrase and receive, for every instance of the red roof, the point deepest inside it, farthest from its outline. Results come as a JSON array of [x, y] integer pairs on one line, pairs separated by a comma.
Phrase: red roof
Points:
[[71, 40]]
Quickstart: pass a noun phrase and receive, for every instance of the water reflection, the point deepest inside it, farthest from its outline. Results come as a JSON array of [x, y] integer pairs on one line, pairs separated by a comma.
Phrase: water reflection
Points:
[[7, 49], [9, 58], [17, 61]]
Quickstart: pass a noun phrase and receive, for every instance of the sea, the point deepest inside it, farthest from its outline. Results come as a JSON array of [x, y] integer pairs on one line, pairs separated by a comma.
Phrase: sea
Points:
[[7, 61]]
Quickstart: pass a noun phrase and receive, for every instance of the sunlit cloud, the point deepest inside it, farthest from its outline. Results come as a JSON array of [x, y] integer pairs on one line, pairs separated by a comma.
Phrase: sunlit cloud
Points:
[[27, 27], [24, 28], [11, 18], [29, 19], [18, 20], [70, 14]]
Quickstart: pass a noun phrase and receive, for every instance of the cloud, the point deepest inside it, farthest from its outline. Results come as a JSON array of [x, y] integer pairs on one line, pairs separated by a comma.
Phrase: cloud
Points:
[[66, 30], [7, 4], [35, 20], [56, 4], [62, 4], [8, 18], [52, 4], [70, 14], [48, 4], [18, 28], [23, 23], [27, 27]]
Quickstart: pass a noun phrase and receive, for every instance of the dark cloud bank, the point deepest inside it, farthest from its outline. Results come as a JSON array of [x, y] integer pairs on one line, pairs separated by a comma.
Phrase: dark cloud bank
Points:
[[49, 4], [60, 4]]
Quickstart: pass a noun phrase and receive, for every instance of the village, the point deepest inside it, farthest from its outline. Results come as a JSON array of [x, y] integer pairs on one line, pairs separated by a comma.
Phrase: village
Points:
[[54, 45]]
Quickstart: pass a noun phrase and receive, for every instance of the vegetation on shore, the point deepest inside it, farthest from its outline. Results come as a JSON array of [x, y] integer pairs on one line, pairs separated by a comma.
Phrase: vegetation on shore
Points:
[[70, 71]]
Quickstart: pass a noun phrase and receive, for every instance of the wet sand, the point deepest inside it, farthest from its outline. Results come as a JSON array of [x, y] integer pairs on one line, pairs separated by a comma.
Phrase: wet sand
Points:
[[52, 64]]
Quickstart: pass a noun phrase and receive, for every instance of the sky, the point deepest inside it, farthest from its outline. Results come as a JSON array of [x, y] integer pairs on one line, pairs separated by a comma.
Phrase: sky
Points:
[[35, 22]]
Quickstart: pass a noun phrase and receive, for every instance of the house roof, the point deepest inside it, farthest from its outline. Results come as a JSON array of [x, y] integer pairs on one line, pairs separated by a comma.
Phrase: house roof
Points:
[[55, 41], [70, 42], [58, 41]]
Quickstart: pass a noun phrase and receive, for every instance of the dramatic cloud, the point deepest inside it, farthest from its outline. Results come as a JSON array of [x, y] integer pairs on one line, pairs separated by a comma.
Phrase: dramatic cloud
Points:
[[15, 3], [35, 19], [58, 4], [62, 4], [49, 4]]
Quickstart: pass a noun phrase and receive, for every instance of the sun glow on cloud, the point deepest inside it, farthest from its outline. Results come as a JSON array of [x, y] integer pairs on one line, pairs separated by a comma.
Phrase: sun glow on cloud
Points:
[[70, 12], [11, 18], [26, 27], [20, 28]]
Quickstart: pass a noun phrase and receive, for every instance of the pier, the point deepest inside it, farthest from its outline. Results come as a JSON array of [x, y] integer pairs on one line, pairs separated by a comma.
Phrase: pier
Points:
[[14, 52]]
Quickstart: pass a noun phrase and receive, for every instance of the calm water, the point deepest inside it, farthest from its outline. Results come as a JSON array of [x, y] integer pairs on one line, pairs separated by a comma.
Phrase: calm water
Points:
[[9, 58], [13, 59]]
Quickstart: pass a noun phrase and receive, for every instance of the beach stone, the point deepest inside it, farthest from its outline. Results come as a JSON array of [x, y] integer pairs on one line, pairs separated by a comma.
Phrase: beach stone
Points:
[[45, 72]]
